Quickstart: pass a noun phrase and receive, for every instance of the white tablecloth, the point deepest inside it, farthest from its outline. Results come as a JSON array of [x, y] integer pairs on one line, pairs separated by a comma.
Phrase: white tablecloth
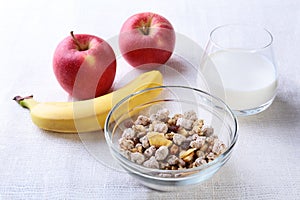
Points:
[[35, 164]]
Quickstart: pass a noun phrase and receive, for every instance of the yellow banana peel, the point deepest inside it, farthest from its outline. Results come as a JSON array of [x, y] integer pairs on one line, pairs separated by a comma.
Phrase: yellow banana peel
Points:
[[87, 115]]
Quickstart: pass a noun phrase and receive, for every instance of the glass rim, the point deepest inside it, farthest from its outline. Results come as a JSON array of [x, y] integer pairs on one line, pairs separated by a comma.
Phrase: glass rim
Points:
[[221, 157], [269, 43]]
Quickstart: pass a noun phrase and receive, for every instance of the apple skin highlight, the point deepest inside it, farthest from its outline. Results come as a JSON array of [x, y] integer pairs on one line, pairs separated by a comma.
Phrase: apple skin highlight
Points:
[[84, 71], [147, 39]]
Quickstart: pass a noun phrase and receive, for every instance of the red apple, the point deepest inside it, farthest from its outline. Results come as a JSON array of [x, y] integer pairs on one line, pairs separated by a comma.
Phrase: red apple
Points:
[[147, 39], [84, 65]]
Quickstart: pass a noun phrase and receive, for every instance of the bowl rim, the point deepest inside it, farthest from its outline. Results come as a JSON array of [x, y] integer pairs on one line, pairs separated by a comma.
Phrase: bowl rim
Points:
[[225, 154]]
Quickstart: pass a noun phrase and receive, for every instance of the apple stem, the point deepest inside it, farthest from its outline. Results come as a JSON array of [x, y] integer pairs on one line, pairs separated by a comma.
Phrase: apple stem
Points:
[[78, 44], [145, 30]]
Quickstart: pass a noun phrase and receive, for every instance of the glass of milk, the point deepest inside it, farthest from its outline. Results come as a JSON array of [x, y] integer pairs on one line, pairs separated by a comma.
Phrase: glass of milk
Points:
[[239, 67]]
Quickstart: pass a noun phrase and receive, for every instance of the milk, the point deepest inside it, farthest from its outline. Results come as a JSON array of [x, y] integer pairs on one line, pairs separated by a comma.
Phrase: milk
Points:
[[249, 79]]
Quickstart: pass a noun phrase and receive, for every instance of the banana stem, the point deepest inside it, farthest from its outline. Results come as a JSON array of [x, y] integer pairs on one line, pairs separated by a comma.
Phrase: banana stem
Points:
[[26, 102]]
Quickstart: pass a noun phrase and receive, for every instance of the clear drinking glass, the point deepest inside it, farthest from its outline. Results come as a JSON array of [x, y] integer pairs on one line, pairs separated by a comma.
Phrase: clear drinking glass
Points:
[[240, 68]]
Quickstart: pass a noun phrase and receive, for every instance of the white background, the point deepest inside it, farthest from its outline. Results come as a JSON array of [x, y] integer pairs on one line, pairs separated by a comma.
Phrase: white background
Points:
[[40, 165]]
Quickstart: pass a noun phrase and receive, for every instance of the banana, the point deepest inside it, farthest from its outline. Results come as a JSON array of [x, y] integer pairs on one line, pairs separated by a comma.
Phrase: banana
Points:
[[87, 115]]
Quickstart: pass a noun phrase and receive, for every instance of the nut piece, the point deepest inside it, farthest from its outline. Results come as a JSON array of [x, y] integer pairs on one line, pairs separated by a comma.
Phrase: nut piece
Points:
[[178, 139], [141, 134], [185, 145], [161, 115], [142, 120], [174, 149], [161, 153], [210, 140], [197, 130], [139, 128], [218, 147], [198, 143], [172, 160], [199, 161], [185, 123], [137, 157], [128, 133], [197, 127], [126, 144], [200, 154], [207, 130], [128, 123], [204, 148], [191, 115], [145, 142], [199, 123], [174, 119], [151, 163], [125, 153], [150, 151], [211, 156], [158, 139], [161, 127], [182, 131]]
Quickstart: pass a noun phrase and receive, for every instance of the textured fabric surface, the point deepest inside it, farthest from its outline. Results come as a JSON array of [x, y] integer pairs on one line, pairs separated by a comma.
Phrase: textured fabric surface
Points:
[[35, 164]]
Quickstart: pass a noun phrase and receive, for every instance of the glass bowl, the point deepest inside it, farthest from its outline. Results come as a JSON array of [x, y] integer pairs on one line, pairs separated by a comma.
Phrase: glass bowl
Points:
[[176, 99]]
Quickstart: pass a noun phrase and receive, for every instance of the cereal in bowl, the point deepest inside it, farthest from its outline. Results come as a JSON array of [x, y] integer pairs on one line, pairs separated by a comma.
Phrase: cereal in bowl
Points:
[[162, 142]]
